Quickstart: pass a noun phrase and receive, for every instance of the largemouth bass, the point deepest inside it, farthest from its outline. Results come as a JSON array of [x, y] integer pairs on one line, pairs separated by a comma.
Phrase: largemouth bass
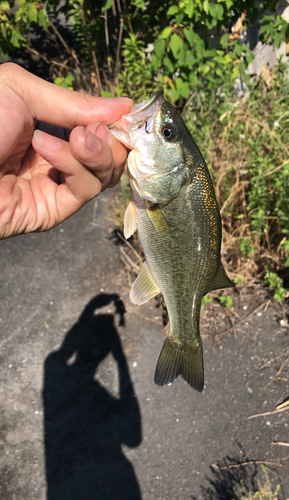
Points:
[[173, 206]]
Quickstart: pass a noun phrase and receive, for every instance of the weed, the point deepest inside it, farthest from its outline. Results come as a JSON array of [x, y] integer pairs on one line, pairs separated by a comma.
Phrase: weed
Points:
[[206, 300], [226, 301], [244, 143], [273, 281], [246, 248], [264, 492], [239, 279], [284, 245], [66, 82]]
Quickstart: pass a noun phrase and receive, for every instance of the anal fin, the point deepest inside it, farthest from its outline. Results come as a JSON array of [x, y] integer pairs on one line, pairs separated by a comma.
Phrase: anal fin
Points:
[[130, 223], [144, 287]]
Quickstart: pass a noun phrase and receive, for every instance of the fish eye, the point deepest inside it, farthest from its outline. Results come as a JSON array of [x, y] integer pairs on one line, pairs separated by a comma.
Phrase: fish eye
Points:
[[168, 132]]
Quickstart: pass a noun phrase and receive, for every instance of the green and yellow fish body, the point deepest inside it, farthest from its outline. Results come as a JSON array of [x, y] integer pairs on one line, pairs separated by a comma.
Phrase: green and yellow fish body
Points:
[[174, 208]]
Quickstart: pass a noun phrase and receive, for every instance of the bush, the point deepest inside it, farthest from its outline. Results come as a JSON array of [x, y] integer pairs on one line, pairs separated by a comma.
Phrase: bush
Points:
[[244, 142]]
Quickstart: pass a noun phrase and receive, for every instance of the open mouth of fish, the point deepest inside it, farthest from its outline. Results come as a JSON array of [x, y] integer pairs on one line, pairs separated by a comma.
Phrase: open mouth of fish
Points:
[[141, 115]]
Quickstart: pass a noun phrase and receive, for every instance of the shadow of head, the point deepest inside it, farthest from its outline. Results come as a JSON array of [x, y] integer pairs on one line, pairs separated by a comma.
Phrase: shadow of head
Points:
[[94, 335]]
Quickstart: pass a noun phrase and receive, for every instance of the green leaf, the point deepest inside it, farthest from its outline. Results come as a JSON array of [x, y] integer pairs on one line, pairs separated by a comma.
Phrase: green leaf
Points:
[[3, 30], [264, 28], [4, 6], [69, 80], [210, 53], [219, 12], [155, 62], [159, 48], [239, 49], [139, 3], [168, 65], [226, 301], [271, 19], [212, 9], [235, 72], [65, 82], [224, 41], [185, 90], [227, 59], [190, 59], [189, 10], [179, 83], [239, 279], [182, 53], [193, 79], [173, 95], [172, 10], [107, 5], [183, 87], [199, 46], [43, 19], [204, 68], [166, 32], [179, 17], [14, 40], [106, 93], [206, 6], [190, 35], [176, 44], [250, 57], [58, 80]]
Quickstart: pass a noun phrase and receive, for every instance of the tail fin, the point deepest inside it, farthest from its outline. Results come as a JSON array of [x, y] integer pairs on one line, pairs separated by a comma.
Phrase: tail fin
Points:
[[187, 362]]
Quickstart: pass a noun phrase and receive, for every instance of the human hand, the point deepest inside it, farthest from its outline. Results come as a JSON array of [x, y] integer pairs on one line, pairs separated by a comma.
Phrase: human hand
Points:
[[45, 179]]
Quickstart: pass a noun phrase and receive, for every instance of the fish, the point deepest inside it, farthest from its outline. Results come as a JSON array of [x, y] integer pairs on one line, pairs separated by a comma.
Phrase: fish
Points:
[[174, 208]]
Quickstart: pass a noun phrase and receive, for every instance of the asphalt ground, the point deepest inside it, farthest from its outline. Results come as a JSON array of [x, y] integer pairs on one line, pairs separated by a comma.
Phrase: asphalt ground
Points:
[[81, 418]]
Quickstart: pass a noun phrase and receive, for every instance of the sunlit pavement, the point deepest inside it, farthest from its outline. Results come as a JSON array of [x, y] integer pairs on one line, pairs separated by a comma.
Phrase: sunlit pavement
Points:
[[81, 418]]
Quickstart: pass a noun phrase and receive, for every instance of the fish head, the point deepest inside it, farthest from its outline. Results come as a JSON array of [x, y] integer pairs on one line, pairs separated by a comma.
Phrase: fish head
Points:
[[158, 138]]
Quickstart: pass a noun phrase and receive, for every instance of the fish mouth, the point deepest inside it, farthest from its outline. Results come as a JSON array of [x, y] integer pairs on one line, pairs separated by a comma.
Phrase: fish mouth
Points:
[[137, 118], [151, 102]]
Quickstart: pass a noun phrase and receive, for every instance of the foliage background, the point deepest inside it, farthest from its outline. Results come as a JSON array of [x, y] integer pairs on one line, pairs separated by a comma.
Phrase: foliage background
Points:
[[189, 49]]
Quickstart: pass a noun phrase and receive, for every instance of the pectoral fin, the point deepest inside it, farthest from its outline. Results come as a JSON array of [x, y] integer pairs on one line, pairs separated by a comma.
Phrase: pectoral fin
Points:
[[158, 220], [221, 280], [144, 287], [130, 223]]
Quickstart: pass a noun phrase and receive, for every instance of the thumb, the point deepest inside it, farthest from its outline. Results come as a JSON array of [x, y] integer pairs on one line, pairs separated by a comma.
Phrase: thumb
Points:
[[16, 129], [59, 106]]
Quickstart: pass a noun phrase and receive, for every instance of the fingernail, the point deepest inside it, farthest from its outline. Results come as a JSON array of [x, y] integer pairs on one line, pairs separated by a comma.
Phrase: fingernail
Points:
[[47, 141], [92, 142], [105, 134], [119, 99]]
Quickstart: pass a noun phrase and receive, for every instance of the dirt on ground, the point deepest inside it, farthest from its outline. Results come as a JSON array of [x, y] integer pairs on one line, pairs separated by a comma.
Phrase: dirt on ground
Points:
[[81, 418]]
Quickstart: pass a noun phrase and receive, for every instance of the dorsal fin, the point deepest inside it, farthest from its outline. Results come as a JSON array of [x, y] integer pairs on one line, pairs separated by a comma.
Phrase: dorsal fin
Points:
[[144, 287], [221, 280]]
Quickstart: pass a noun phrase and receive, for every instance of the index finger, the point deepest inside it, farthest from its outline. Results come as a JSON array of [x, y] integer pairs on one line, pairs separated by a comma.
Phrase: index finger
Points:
[[59, 106]]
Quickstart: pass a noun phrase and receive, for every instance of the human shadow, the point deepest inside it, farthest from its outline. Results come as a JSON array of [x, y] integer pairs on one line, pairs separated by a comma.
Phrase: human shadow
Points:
[[85, 426]]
